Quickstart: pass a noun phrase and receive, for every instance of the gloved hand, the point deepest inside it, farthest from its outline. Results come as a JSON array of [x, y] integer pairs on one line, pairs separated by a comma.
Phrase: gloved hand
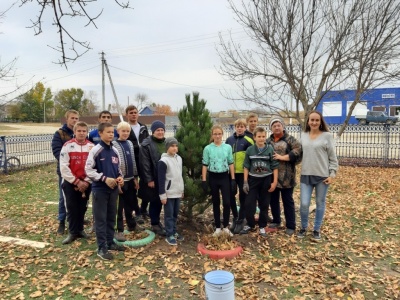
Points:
[[233, 187], [204, 186], [246, 187]]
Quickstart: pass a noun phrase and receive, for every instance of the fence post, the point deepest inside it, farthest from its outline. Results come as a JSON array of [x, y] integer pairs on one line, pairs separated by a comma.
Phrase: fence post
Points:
[[386, 129]]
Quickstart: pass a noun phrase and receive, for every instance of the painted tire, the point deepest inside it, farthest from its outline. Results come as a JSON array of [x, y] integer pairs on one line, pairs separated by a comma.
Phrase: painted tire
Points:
[[138, 243], [219, 254]]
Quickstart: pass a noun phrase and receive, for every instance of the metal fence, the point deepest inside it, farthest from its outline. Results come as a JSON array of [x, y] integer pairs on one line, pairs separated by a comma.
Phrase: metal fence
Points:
[[360, 145]]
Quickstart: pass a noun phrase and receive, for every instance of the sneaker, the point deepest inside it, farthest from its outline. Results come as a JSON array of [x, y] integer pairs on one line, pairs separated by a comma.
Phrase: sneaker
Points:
[[61, 228], [263, 233], [233, 225], [289, 231], [227, 231], [70, 238], [239, 226], [274, 225], [119, 236], [171, 240], [104, 254], [247, 229], [116, 247], [302, 233], [178, 237], [159, 229], [217, 232], [316, 236]]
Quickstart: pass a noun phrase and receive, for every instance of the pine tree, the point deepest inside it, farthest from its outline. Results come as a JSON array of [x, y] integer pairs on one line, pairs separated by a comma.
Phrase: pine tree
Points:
[[193, 136]]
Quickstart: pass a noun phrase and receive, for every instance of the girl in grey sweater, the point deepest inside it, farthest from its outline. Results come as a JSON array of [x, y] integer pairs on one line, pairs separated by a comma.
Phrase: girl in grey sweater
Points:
[[319, 167]]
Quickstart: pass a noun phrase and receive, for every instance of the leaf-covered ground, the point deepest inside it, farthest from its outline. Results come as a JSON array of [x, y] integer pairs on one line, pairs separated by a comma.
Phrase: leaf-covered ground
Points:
[[359, 257]]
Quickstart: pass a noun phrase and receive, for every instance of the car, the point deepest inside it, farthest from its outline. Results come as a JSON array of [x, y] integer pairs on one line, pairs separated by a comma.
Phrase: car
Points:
[[376, 117]]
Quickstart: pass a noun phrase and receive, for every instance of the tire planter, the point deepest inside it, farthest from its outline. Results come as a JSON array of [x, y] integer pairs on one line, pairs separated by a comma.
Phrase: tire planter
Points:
[[138, 243], [219, 254]]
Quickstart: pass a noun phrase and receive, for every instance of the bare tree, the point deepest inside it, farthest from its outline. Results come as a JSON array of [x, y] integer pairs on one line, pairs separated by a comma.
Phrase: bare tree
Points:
[[302, 49], [141, 101], [69, 47]]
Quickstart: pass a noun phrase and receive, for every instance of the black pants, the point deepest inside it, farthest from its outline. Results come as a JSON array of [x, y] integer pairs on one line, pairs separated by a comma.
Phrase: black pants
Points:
[[145, 201], [288, 207], [104, 211], [219, 182], [258, 188], [152, 197], [75, 206], [126, 203]]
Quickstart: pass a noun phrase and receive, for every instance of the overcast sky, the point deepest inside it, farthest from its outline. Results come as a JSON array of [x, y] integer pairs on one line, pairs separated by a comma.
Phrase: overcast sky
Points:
[[161, 48]]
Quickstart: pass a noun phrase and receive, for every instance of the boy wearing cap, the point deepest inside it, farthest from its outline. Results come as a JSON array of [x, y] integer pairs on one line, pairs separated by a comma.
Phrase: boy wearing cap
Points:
[[288, 152], [170, 188], [149, 154]]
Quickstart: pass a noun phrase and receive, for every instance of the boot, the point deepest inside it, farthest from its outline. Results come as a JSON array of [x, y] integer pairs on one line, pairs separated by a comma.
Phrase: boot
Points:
[[61, 228], [239, 226], [70, 238]]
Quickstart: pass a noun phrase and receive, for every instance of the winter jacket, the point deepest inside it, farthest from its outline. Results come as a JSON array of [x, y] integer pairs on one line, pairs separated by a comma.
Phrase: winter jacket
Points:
[[148, 158], [170, 173], [143, 133], [287, 169], [239, 144], [61, 136], [103, 161], [260, 163], [73, 159], [94, 136], [128, 162]]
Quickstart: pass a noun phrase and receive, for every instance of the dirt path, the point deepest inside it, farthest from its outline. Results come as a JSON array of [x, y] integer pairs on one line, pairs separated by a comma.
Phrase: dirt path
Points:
[[27, 128]]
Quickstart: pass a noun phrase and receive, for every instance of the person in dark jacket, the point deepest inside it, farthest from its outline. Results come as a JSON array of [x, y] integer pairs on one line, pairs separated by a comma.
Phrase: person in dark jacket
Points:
[[104, 117], [138, 133], [288, 153], [62, 135], [103, 167], [150, 153]]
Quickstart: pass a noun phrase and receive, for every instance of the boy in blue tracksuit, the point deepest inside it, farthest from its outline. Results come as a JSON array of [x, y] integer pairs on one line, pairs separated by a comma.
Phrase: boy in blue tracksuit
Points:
[[170, 188], [103, 168], [260, 180]]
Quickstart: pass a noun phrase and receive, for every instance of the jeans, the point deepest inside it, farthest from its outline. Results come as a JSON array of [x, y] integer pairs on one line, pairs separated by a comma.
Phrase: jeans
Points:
[[126, 204], [288, 207], [171, 209], [320, 198], [62, 213], [104, 211]]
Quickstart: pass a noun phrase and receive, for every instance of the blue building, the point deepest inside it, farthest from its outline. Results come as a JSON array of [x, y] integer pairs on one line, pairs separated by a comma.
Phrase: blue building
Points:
[[334, 105]]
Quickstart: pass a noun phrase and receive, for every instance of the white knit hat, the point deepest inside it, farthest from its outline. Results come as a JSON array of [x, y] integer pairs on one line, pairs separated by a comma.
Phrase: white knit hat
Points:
[[276, 119]]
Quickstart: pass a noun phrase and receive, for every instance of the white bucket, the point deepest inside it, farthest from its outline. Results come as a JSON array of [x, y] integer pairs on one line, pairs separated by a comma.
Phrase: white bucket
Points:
[[220, 285]]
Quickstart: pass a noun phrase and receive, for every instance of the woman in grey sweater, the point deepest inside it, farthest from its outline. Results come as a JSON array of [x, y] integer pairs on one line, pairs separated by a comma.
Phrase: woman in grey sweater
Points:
[[318, 169]]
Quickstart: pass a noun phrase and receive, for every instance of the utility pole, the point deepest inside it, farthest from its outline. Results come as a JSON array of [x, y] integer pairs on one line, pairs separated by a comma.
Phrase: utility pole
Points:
[[103, 61], [115, 95]]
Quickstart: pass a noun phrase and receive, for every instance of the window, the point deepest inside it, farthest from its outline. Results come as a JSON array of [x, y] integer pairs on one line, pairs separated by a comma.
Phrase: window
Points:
[[360, 107], [332, 109]]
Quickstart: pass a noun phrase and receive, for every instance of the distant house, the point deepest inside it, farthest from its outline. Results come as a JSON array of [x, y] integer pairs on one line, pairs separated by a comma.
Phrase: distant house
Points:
[[334, 106], [147, 111]]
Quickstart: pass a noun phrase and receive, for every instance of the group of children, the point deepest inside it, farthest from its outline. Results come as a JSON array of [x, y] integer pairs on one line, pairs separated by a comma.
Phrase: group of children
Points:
[[244, 161], [109, 169]]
